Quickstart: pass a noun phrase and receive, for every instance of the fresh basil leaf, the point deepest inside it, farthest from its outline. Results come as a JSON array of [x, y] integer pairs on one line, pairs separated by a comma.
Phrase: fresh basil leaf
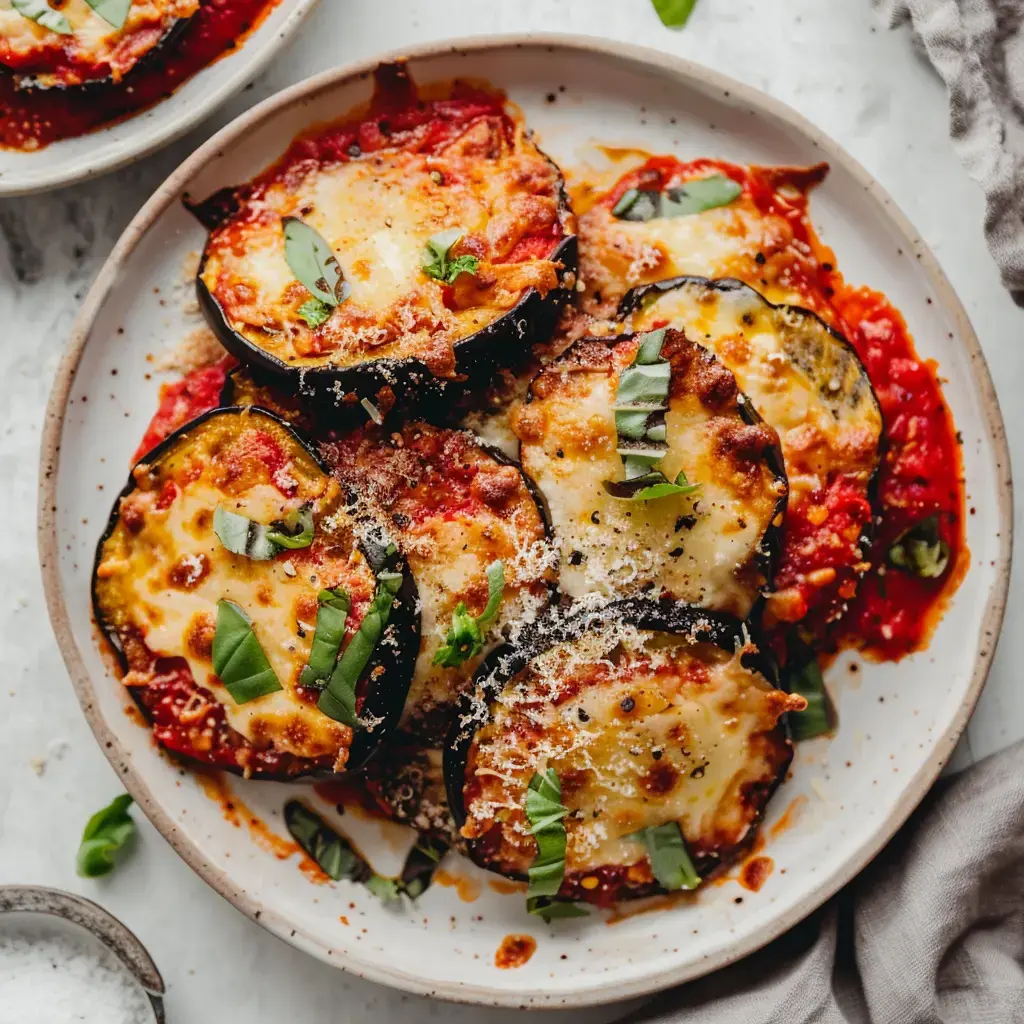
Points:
[[549, 910], [465, 638], [331, 615], [421, 864], [670, 861], [803, 676], [43, 14], [920, 550], [315, 312], [699, 195], [385, 889], [435, 261], [295, 531], [638, 205], [313, 262], [105, 835], [241, 536], [544, 811], [338, 701], [674, 13], [651, 487], [113, 12], [238, 659]]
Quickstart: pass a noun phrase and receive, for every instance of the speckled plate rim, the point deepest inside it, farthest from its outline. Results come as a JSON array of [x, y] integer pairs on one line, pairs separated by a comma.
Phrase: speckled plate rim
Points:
[[154, 131], [592, 994]]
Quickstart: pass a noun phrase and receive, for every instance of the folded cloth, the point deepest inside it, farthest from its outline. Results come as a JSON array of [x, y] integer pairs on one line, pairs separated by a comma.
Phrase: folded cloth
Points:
[[932, 932], [977, 47]]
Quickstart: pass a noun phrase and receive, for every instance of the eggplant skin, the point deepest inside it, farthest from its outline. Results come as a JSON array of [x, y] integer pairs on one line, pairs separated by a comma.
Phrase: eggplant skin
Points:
[[391, 663], [662, 616]]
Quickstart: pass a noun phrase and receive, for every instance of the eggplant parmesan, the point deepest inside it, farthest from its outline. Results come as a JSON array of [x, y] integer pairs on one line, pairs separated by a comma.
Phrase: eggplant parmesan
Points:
[[455, 508], [704, 534], [649, 715], [428, 240], [807, 382], [231, 578], [78, 42]]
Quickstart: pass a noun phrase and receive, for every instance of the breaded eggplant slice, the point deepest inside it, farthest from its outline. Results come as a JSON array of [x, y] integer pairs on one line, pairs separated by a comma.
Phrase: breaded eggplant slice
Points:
[[712, 547], [167, 565], [807, 382], [650, 713], [389, 312], [454, 507]]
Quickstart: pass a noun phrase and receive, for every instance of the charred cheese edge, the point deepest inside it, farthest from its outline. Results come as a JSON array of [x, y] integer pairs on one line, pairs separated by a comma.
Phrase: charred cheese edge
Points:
[[162, 570], [453, 508], [377, 213], [95, 49], [704, 548], [804, 379], [643, 728]]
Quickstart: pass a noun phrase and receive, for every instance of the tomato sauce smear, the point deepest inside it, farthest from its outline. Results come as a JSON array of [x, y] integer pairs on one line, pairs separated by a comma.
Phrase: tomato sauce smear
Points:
[[33, 118]]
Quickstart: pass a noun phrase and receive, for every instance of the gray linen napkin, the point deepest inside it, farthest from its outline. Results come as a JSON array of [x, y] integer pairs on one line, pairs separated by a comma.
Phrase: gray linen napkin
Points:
[[977, 47], [932, 932]]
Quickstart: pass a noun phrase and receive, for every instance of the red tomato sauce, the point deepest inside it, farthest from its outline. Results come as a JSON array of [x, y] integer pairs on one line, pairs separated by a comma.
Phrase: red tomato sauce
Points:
[[33, 118]]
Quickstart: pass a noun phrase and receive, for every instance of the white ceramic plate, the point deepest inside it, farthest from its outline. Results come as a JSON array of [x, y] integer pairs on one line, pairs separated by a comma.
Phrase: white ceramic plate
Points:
[[87, 156], [857, 788]]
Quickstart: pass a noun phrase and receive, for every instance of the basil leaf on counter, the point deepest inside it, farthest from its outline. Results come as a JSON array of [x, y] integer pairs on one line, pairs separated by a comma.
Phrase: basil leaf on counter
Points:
[[466, 636], [920, 550], [315, 312], [313, 262], [684, 200], [104, 837], [241, 536], [113, 12], [674, 13], [803, 676], [43, 14], [238, 659], [670, 861], [435, 262], [338, 701], [331, 615]]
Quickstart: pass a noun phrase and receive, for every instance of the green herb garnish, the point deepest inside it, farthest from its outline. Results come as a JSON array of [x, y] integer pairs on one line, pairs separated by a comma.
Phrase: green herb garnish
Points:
[[338, 701], [43, 14], [421, 864], [670, 861], [315, 312], [679, 201], [241, 536], [238, 659], [549, 909], [674, 13], [803, 676], [104, 837], [920, 550], [113, 12], [313, 263], [331, 615], [435, 261], [466, 636]]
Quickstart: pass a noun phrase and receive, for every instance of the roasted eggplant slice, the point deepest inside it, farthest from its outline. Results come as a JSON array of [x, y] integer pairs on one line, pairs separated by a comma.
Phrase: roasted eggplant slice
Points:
[[429, 240], [456, 508], [650, 714], [79, 43], [807, 382], [706, 536], [243, 388], [229, 580]]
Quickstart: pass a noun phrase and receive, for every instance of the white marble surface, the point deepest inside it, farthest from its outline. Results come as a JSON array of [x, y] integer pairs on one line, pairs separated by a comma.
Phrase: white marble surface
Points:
[[831, 61]]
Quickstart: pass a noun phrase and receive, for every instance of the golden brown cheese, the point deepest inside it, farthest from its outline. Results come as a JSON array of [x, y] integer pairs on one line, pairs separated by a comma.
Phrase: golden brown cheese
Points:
[[163, 570], [642, 728], [701, 548], [377, 213], [93, 50]]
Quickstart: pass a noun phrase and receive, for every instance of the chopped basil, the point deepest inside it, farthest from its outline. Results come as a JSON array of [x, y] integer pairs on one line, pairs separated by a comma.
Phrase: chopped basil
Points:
[[920, 550], [670, 861], [435, 261], [803, 676], [312, 261], [43, 14], [113, 12], [334, 854], [659, 487], [105, 835], [241, 536], [421, 864], [674, 13], [338, 701], [679, 201], [331, 615], [315, 312], [466, 636], [549, 909], [238, 659]]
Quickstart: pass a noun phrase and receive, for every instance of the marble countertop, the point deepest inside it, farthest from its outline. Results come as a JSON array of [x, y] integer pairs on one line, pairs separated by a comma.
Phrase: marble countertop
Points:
[[833, 62]]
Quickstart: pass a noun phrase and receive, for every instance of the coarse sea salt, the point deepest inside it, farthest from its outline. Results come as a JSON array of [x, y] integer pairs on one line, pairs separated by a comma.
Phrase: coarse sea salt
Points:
[[63, 977]]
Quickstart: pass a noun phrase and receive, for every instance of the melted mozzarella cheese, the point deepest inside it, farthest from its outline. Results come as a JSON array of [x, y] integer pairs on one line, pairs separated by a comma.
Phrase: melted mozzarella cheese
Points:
[[642, 729]]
